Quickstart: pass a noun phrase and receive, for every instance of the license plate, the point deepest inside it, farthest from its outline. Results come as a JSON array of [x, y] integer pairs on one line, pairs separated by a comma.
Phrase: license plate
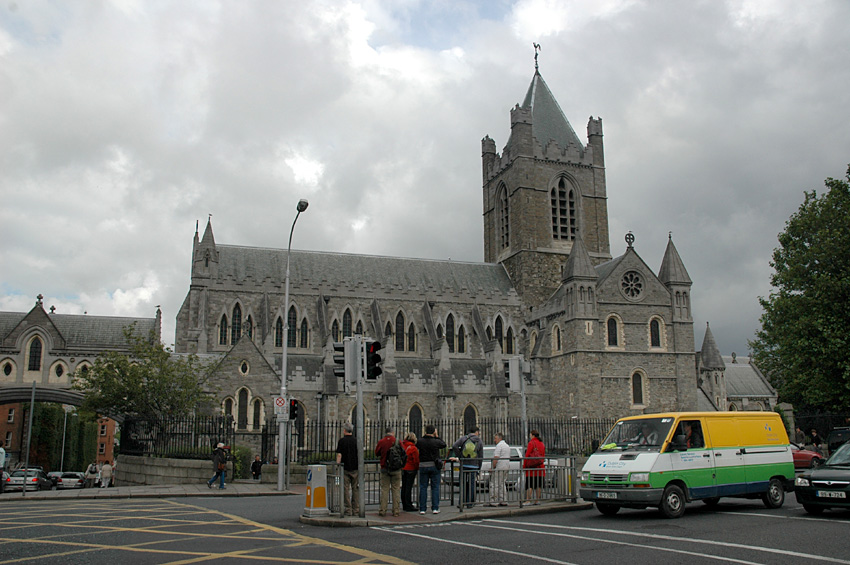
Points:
[[608, 495], [831, 494]]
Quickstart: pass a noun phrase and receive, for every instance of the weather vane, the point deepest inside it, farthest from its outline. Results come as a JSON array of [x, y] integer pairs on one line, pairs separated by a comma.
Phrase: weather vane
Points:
[[536, 52]]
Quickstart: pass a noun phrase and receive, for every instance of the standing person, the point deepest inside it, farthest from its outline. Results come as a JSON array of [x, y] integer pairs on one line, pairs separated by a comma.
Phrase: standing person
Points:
[[799, 436], [409, 472], [390, 471], [105, 474], [430, 465], [219, 460], [91, 475], [536, 464], [816, 441], [469, 451], [346, 454], [2, 467], [498, 474], [257, 468]]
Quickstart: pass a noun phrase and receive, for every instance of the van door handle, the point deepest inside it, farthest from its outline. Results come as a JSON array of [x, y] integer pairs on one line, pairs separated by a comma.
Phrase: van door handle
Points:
[[740, 452], [706, 455], [718, 455]]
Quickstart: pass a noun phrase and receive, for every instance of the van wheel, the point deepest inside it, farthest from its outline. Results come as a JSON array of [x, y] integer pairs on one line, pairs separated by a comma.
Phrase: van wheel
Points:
[[607, 509], [711, 502], [673, 502], [775, 495], [812, 509]]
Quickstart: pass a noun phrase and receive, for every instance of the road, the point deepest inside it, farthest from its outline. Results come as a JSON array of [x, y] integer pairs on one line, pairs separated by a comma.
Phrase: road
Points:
[[266, 530]]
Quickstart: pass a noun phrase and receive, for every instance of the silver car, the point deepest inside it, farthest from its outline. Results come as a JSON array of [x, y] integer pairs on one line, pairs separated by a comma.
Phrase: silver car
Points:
[[71, 480], [35, 480]]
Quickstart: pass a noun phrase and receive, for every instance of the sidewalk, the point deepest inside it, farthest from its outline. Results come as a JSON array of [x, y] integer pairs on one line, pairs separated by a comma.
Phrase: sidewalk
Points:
[[250, 488]]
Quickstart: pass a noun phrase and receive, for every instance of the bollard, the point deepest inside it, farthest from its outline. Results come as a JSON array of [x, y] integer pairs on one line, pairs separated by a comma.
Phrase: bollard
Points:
[[316, 503]]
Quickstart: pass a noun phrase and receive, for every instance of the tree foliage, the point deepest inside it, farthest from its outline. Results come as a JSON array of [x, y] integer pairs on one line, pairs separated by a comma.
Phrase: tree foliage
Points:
[[149, 381], [803, 345]]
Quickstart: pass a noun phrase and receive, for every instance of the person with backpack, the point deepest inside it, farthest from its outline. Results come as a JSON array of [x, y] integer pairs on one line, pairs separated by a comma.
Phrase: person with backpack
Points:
[[409, 472], [393, 460], [469, 451]]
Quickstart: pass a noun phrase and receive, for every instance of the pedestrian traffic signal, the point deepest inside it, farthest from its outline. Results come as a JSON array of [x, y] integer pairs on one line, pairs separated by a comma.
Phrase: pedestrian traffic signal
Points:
[[512, 374], [373, 359], [293, 409]]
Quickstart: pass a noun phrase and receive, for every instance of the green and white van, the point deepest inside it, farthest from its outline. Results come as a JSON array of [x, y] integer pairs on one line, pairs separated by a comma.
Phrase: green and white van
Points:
[[667, 460]]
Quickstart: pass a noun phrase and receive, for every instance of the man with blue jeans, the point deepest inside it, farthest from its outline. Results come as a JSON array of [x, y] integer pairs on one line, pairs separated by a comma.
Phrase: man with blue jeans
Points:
[[470, 462], [429, 447], [219, 466]]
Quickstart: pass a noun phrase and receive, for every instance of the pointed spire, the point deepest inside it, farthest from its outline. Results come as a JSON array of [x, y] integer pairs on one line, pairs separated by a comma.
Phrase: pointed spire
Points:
[[547, 119], [672, 268], [710, 354], [208, 238], [579, 265]]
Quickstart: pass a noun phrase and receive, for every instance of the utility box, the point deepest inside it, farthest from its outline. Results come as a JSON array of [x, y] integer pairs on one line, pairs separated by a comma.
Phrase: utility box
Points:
[[316, 503]]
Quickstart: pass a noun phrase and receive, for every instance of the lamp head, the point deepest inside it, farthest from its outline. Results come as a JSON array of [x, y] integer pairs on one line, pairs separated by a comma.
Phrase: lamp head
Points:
[[302, 205]]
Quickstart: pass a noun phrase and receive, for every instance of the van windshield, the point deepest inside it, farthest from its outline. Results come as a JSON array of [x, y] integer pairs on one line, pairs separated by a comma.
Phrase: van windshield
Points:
[[643, 434]]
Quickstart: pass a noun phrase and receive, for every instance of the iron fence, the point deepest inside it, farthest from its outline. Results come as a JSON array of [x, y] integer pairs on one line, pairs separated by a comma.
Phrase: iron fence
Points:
[[179, 438], [315, 442]]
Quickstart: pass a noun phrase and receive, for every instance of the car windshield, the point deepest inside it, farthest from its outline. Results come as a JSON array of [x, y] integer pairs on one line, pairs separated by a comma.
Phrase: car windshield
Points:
[[841, 457], [644, 434]]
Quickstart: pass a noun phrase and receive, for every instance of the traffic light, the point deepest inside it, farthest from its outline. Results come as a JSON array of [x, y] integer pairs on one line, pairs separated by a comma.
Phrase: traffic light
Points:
[[373, 359], [346, 360], [339, 358], [512, 374], [293, 409]]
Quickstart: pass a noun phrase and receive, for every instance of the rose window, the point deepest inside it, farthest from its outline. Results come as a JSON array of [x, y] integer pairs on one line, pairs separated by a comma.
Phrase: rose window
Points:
[[632, 285]]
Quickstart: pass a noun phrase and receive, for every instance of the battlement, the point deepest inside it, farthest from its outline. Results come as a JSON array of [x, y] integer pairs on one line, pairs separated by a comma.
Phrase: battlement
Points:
[[488, 145], [520, 115], [594, 126]]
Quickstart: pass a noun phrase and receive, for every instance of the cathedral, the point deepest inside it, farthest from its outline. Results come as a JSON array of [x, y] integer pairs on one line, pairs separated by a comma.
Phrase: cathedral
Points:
[[598, 335]]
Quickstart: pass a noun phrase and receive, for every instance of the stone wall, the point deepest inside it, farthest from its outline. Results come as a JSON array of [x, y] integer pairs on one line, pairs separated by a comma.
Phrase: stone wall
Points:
[[160, 471]]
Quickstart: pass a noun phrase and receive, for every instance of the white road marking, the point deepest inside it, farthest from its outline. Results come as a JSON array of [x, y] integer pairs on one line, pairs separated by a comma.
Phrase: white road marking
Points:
[[756, 548]]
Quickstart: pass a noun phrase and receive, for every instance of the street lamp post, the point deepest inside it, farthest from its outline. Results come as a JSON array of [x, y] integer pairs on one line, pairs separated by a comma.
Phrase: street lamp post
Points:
[[282, 427], [66, 409]]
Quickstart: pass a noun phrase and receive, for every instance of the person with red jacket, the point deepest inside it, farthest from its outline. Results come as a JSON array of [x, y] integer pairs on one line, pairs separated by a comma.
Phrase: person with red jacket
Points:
[[535, 462], [409, 472]]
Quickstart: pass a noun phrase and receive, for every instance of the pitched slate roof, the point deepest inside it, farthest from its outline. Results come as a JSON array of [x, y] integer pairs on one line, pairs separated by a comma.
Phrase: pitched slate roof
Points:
[[710, 357], [342, 270], [84, 332], [579, 265], [744, 379], [672, 268]]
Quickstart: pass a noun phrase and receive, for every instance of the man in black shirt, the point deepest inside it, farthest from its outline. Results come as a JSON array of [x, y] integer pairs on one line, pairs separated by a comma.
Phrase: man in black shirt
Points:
[[346, 454]]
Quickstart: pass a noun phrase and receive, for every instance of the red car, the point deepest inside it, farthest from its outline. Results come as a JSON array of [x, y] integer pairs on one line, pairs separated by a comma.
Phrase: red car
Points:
[[804, 458]]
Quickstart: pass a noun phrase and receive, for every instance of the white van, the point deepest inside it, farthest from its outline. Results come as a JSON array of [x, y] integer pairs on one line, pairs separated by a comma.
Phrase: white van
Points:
[[667, 460]]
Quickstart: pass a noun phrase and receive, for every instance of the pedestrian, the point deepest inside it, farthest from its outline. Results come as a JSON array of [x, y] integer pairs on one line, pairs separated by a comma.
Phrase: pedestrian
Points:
[[106, 475], [390, 471], [91, 475], [815, 441], [430, 465], [535, 466], [409, 472], [2, 467], [799, 436], [469, 451], [219, 460], [499, 471], [346, 455], [257, 468]]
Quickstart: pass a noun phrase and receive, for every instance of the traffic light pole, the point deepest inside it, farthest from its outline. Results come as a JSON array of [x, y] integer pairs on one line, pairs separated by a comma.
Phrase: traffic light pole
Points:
[[361, 459], [524, 410]]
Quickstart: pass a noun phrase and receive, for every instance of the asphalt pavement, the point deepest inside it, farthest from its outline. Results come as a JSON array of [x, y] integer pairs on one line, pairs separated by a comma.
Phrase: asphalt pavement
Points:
[[249, 488]]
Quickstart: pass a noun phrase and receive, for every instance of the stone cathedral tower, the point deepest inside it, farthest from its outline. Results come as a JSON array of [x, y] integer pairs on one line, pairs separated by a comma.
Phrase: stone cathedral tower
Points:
[[543, 192]]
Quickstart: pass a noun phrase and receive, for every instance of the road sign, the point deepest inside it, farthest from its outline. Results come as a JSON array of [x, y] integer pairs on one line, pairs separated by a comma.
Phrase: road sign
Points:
[[281, 408]]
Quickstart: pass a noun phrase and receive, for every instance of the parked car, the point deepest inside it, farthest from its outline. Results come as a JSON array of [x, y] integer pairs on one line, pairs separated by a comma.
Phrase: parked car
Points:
[[805, 458], [35, 480], [72, 480], [828, 486], [836, 437], [54, 477]]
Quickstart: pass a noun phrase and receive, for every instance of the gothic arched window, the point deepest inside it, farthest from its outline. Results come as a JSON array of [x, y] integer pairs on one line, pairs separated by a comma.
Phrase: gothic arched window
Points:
[[411, 337], [450, 332], [236, 327], [399, 332], [509, 342], [335, 330], [414, 420], [258, 408], [249, 327], [654, 334], [564, 215], [292, 325], [504, 217], [499, 332], [461, 340], [304, 342], [222, 331], [35, 355], [278, 332], [470, 418], [358, 330], [388, 329], [242, 408], [637, 388], [612, 332], [346, 323]]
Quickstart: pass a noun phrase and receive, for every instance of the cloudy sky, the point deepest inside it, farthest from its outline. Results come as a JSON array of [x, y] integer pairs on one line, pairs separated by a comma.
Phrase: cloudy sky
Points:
[[124, 122]]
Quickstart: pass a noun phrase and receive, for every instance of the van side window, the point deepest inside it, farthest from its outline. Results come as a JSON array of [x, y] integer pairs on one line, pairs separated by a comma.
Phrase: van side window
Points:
[[692, 430]]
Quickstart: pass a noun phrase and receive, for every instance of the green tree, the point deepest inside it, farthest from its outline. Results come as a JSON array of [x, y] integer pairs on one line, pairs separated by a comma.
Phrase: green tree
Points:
[[150, 381], [802, 345]]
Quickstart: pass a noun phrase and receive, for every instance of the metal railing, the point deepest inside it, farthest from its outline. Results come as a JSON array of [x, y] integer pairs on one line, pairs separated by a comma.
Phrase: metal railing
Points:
[[179, 438]]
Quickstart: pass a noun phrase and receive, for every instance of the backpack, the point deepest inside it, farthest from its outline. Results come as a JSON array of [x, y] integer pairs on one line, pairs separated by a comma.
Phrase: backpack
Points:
[[468, 451], [396, 457]]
